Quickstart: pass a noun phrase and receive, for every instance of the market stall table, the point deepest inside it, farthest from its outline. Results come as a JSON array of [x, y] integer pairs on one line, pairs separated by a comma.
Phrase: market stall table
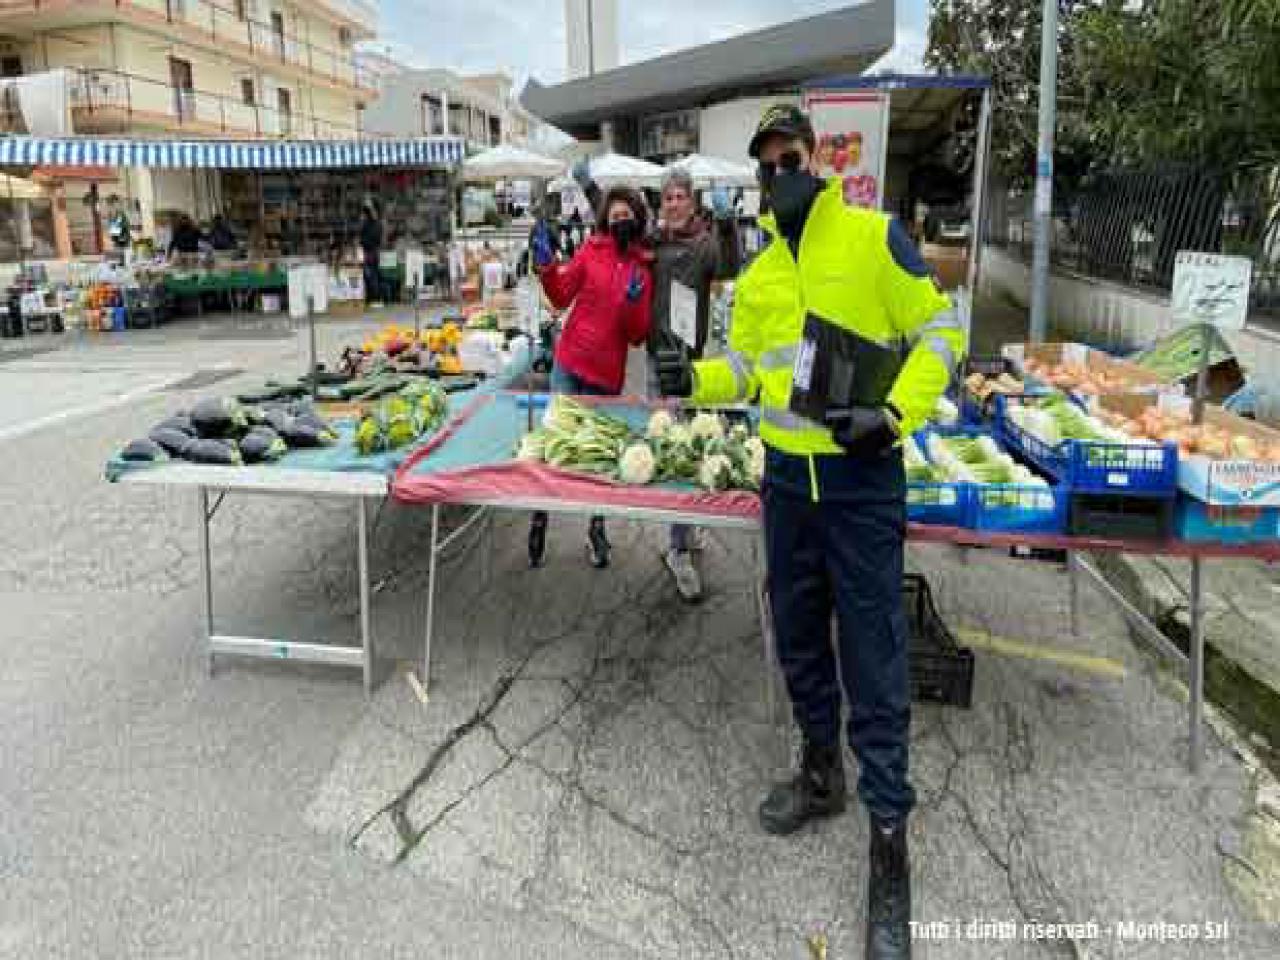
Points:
[[337, 472], [470, 463]]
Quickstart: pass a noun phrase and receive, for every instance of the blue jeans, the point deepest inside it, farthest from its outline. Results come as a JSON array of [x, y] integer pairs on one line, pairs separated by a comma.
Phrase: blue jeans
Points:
[[566, 381]]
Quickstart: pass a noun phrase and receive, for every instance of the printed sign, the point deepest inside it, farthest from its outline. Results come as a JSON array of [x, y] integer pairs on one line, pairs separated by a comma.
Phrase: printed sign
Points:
[[853, 141], [1211, 288], [684, 313]]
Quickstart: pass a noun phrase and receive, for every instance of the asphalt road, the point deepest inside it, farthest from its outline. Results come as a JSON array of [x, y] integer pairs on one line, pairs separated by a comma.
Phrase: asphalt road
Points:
[[599, 801]]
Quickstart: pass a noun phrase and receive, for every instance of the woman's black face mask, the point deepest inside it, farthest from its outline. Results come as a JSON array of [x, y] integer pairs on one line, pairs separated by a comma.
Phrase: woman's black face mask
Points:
[[624, 233]]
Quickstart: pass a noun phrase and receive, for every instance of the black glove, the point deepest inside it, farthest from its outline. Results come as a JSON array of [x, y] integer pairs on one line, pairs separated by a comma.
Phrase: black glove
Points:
[[864, 431], [675, 373]]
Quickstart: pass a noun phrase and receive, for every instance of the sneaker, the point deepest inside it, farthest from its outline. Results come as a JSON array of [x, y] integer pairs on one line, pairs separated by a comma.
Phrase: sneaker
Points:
[[597, 544], [688, 582]]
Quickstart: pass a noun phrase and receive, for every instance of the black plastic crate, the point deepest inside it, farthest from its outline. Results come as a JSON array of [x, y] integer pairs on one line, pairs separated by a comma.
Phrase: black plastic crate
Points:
[[941, 670], [1120, 517]]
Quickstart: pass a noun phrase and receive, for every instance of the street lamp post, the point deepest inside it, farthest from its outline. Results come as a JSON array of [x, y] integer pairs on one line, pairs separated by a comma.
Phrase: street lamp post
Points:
[[1044, 173]]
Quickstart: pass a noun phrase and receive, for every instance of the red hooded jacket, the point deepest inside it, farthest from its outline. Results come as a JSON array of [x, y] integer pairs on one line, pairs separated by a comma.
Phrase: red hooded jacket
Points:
[[602, 324]]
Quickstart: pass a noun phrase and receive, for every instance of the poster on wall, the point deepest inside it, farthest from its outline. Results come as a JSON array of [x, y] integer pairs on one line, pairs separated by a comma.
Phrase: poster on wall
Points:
[[852, 128]]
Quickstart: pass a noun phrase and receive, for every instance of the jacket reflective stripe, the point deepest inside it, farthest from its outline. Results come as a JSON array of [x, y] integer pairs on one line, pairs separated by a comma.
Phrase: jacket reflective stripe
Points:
[[742, 366], [786, 420], [779, 358], [946, 320], [942, 350]]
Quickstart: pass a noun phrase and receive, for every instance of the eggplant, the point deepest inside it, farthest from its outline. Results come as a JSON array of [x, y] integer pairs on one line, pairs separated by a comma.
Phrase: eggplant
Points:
[[218, 417], [277, 418], [262, 445], [299, 434], [144, 451], [174, 442], [180, 422], [218, 452], [309, 418]]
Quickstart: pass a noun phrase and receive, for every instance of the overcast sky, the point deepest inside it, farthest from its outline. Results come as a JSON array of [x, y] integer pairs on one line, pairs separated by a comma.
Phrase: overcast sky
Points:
[[526, 37]]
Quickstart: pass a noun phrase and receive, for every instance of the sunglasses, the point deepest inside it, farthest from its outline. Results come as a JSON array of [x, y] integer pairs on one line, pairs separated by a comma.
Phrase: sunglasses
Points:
[[788, 162]]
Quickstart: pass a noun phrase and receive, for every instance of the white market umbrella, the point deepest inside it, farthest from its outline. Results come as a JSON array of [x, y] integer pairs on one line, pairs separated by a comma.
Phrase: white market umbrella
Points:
[[510, 163], [708, 171], [614, 169]]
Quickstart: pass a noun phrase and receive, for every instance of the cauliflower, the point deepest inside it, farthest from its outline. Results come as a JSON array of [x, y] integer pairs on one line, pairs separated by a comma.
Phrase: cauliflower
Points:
[[678, 435], [716, 472], [707, 426], [638, 464], [659, 424], [739, 433]]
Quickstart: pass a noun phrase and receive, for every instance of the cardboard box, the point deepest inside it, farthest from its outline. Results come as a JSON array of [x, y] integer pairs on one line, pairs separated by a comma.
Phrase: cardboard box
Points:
[[1134, 377], [1225, 481]]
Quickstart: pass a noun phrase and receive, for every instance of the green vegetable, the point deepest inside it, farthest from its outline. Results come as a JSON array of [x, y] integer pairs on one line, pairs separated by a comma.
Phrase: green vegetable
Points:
[[144, 451], [217, 452], [218, 417], [262, 445], [173, 441]]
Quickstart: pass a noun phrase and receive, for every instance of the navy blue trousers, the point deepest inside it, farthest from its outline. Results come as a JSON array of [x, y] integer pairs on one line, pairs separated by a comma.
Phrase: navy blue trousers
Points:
[[844, 554]]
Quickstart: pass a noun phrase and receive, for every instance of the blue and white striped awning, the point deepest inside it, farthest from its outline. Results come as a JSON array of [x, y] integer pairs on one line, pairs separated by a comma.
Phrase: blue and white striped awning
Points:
[[231, 155]]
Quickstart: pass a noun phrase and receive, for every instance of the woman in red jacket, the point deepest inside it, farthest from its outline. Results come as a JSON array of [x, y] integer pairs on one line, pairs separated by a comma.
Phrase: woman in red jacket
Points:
[[608, 288]]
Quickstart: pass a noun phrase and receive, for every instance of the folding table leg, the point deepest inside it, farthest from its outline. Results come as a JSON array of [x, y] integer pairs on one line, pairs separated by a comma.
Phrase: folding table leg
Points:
[[206, 572], [1194, 739], [432, 562], [1073, 586], [366, 638]]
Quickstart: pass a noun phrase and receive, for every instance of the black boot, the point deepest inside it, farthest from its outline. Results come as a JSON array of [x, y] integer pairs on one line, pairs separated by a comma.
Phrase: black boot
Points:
[[597, 544], [889, 894], [816, 791], [537, 539]]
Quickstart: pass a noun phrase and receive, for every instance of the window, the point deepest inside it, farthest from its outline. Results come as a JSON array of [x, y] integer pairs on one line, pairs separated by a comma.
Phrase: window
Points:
[[11, 67], [184, 95], [242, 12], [432, 116], [495, 131], [247, 92], [277, 31], [284, 103], [344, 36]]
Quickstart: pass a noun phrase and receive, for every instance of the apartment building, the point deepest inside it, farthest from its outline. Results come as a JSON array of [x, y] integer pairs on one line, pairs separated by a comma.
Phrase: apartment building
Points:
[[479, 108], [236, 69]]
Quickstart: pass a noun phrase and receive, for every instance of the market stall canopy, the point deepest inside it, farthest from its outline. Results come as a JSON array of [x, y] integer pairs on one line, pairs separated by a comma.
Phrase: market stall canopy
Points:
[[231, 155], [753, 64], [65, 174], [510, 163], [613, 169], [715, 172], [923, 107]]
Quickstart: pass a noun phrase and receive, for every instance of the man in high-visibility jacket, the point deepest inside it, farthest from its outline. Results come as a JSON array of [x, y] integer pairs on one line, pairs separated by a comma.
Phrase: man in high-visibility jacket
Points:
[[835, 492]]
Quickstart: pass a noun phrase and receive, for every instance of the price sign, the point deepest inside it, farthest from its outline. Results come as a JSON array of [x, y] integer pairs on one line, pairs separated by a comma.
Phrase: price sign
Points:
[[684, 313], [1211, 288]]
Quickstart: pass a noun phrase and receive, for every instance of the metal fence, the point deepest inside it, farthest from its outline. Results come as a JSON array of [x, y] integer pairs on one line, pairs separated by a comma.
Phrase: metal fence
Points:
[[1127, 226]]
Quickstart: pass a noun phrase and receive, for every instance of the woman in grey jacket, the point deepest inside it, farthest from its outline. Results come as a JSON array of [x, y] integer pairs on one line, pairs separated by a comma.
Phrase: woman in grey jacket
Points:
[[690, 253]]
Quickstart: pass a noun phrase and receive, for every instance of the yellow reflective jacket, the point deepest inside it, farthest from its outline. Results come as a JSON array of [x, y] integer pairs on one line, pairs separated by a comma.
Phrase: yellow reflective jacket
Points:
[[846, 274]]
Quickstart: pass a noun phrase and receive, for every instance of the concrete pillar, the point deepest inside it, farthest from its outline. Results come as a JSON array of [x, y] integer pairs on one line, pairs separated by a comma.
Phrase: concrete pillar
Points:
[[143, 188], [607, 136]]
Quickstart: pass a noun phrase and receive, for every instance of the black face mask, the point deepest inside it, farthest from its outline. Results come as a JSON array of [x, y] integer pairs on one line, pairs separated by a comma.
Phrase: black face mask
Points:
[[791, 195], [624, 232]]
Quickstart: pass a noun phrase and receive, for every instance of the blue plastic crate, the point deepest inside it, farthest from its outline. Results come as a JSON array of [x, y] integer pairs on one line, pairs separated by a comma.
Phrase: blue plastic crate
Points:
[[1088, 466], [940, 504], [1019, 508], [1202, 523]]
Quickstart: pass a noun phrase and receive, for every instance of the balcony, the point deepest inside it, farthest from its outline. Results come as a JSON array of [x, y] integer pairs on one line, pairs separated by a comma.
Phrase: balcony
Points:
[[363, 14], [111, 102], [207, 24]]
